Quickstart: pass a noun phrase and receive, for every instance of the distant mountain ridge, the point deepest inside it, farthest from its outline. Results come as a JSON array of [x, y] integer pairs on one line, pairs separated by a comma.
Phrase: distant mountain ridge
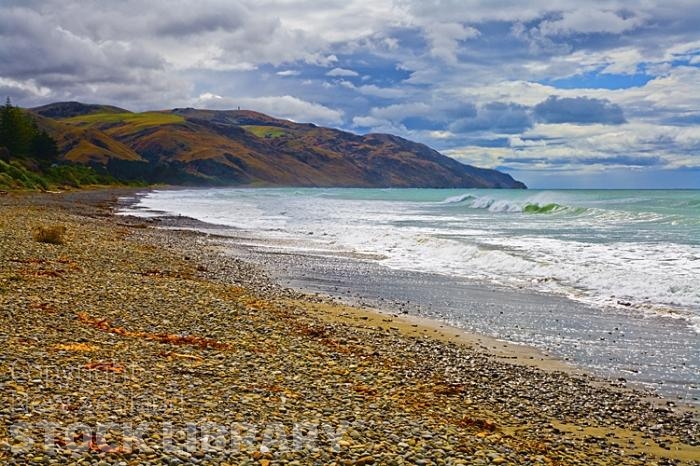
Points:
[[211, 147]]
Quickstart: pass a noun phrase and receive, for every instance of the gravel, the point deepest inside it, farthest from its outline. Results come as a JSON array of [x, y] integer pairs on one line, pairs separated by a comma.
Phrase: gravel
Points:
[[130, 344]]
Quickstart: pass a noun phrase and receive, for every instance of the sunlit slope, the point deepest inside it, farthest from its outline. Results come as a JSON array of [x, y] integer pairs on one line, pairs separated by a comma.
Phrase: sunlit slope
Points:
[[244, 147]]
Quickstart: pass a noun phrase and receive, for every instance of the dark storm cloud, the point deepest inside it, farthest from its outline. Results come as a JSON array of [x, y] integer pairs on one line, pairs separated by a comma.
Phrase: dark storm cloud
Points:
[[498, 117], [35, 47], [46, 55], [17, 93], [202, 22], [422, 123], [579, 110]]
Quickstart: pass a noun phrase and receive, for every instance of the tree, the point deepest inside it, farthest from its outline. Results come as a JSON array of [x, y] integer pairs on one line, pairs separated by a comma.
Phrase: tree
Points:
[[21, 137], [16, 132], [44, 146], [6, 124]]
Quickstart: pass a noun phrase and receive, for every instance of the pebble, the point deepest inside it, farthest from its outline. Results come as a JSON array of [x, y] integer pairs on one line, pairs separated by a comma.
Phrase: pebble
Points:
[[257, 353]]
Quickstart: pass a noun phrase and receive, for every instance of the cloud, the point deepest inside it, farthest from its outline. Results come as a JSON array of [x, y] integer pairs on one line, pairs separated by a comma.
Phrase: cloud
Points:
[[591, 21], [553, 79], [49, 61], [416, 118], [342, 72], [398, 112], [614, 160], [376, 91], [444, 39], [34, 48], [689, 119], [579, 110], [201, 21], [496, 117], [24, 88], [284, 106]]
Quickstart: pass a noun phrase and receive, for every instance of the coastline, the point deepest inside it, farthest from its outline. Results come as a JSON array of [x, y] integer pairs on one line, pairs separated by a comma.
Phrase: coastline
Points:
[[472, 395], [612, 344]]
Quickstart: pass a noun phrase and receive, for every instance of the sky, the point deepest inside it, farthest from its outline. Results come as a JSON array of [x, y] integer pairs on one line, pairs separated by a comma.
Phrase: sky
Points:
[[565, 94]]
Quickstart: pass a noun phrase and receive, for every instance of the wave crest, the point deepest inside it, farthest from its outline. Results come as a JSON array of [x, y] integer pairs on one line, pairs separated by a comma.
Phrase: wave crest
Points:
[[505, 205], [458, 199], [542, 209]]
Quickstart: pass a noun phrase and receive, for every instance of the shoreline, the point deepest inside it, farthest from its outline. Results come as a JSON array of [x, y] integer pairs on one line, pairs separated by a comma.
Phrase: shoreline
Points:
[[502, 343], [228, 242], [411, 324], [355, 311], [475, 310], [180, 264]]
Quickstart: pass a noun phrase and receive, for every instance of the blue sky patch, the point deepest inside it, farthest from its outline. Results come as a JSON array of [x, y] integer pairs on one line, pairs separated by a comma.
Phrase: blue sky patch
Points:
[[593, 80]]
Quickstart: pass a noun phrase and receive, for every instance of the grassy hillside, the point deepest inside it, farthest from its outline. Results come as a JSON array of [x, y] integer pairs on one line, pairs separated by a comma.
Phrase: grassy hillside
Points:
[[30, 157], [265, 131], [69, 109], [134, 120], [208, 147], [80, 143]]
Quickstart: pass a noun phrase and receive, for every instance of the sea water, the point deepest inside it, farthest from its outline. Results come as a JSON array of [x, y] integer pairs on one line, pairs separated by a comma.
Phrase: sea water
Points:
[[609, 248], [629, 259]]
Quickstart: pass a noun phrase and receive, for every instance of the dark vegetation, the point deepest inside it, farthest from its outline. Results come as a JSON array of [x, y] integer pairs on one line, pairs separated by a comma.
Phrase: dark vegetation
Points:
[[21, 137], [30, 157]]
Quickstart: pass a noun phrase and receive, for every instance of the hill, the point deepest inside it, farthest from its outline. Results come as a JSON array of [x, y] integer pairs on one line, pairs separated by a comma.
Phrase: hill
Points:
[[208, 147]]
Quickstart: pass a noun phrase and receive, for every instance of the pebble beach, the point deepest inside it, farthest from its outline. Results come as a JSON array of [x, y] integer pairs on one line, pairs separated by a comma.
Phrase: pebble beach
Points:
[[131, 344]]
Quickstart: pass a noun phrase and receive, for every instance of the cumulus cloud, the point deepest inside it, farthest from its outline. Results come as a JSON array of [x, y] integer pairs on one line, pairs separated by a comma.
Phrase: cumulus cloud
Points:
[[398, 112], [376, 91], [579, 110], [284, 106], [557, 79], [24, 88], [497, 117], [34, 47], [613, 160], [589, 21], [201, 21], [342, 72], [593, 148], [49, 61], [417, 118], [444, 39]]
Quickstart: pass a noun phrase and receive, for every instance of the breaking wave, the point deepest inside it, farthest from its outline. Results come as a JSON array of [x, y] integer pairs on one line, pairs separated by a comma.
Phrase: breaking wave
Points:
[[509, 205]]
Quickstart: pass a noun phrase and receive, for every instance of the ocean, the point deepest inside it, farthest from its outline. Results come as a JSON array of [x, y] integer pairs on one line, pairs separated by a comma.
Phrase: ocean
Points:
[[617, 252]]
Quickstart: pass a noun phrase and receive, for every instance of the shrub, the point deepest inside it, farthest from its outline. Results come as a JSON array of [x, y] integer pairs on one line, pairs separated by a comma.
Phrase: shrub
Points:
[[49, 234], [20, 176]]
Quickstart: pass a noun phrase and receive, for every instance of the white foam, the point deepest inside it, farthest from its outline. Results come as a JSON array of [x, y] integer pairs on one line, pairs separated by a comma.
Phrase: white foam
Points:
[[458, 198], [584, 256]]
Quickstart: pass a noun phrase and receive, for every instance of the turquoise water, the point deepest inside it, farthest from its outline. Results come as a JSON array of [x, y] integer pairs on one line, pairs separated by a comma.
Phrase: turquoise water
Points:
[[638, 250]]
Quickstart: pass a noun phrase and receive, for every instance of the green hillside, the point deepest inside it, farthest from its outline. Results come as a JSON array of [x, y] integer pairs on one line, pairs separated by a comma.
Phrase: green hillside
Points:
[[207, 147]]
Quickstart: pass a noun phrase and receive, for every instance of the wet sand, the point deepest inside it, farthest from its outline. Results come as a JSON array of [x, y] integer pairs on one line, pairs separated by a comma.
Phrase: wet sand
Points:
[[617, 344]]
